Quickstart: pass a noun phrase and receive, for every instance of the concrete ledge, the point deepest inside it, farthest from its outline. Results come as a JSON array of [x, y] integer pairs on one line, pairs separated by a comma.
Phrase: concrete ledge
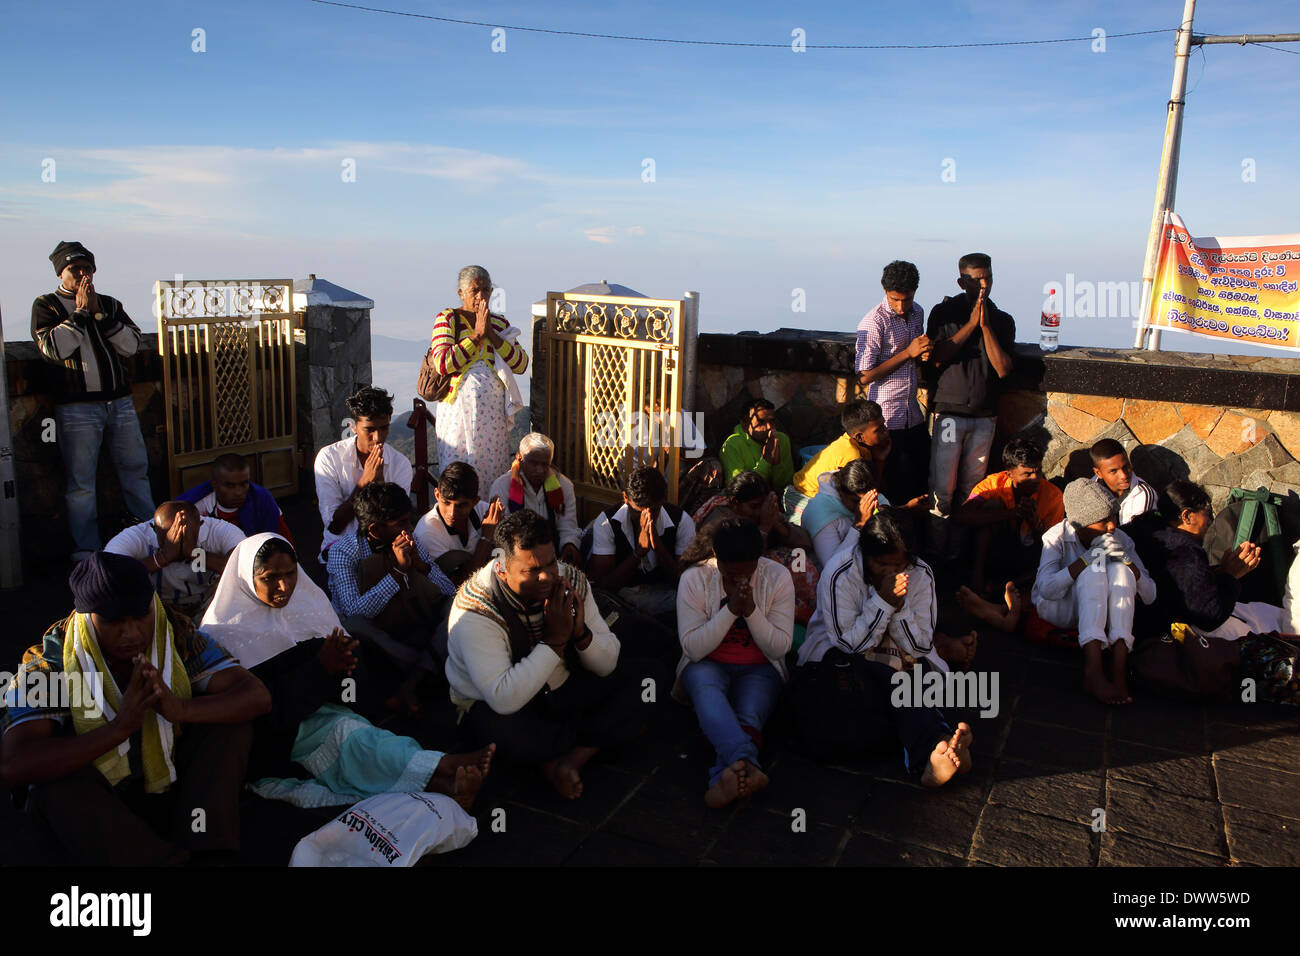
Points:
[[1244, 381]]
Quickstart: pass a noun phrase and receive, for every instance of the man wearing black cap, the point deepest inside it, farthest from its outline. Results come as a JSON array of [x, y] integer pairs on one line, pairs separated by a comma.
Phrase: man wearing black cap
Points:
[[131, 727], [89, 335]]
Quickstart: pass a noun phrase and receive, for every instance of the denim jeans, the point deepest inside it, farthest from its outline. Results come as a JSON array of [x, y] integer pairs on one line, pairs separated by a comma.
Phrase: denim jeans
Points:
[[81, 428], [727, 698], [959, 458]]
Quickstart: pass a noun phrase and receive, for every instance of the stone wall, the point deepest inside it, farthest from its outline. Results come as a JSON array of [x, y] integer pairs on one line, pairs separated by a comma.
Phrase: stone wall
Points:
[[1222, 421], [332, 358]]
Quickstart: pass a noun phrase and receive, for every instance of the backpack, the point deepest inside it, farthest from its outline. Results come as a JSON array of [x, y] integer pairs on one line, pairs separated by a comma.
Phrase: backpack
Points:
[[431, 385], [1267, 519]]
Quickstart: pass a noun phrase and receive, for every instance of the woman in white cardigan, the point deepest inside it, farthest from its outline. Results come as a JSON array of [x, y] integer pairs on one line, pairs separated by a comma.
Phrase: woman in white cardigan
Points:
[[735, 618]]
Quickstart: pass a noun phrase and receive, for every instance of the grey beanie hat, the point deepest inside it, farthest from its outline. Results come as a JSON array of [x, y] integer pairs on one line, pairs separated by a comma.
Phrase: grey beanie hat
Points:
[[1088, 501]]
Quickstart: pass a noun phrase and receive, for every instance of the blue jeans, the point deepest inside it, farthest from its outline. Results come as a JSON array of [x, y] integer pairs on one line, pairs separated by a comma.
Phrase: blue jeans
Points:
[[726, 698], [80, 429]]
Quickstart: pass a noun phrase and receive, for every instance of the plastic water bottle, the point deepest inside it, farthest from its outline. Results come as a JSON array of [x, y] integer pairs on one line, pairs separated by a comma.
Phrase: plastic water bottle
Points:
[[1050, 324]]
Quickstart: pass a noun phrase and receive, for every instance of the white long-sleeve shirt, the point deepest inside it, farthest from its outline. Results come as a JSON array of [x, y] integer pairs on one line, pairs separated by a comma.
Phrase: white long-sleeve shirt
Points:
[[703, 620], [852, 617], [1138, 500], [478, 648], [1061, 548], [535, 500], [338, 470]]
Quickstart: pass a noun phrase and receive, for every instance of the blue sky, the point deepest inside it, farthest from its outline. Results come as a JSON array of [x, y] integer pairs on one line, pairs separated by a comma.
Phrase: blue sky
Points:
[[774, 170]]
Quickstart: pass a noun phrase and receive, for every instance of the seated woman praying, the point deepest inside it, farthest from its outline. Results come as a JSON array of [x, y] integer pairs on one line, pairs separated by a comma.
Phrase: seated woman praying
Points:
[[749, 498], [846, 498], [312, 749], [735, 617]]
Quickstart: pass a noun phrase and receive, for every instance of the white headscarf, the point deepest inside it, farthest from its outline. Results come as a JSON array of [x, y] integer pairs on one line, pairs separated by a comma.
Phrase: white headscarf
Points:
[[254, 632]]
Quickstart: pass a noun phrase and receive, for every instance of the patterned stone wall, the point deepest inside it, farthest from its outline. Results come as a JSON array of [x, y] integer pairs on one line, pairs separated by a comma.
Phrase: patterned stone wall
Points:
[[1222, 421], [1217, 447]]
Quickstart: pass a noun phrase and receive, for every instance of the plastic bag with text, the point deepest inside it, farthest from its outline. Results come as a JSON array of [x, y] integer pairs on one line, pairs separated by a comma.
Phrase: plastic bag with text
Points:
[[391, 829]]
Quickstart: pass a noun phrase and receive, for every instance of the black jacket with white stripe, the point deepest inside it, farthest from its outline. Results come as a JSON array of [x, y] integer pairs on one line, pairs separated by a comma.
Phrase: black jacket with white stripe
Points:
[[90, 350]]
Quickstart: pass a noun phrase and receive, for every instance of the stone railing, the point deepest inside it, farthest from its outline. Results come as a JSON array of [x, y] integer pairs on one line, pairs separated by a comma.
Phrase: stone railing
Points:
[[1222, 421]]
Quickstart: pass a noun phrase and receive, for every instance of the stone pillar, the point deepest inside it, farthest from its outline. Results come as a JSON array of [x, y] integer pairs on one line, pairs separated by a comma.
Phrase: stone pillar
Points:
[[333, 358]]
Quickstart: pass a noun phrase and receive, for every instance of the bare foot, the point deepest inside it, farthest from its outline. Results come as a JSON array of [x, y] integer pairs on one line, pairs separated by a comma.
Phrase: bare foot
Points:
[[1004, 616], [755, 779], [466, 786], [729, 787], [1098, 686], [961, 743], [481, 759], [942, 765], [564, 777], [462, 784]]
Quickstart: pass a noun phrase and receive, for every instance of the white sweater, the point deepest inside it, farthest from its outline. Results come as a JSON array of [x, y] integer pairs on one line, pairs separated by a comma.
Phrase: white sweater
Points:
[[478, 648], [703, 621], [852, 617]]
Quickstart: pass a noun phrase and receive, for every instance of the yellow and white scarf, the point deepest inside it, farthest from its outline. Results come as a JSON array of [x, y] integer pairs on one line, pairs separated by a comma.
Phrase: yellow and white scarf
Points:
[[83, 661]]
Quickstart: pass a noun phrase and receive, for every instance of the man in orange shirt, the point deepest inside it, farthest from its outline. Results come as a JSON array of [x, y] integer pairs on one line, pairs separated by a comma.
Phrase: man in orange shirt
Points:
[[1011, 509]]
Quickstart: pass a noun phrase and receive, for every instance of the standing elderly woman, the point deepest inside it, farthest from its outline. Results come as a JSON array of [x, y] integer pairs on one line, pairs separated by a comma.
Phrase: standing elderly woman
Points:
[[479, 350]]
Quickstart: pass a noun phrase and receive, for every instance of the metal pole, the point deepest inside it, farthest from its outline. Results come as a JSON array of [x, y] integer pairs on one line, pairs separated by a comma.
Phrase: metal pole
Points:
[[11, 557], [1167, 182], [1248, 38]]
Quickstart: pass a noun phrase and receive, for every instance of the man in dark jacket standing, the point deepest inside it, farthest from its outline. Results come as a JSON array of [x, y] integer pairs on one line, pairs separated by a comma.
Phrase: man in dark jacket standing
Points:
[[972, 342], [90, 335]]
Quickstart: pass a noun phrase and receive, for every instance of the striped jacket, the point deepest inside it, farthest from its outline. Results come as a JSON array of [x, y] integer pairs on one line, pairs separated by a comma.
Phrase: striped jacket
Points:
[[90, 350], [454, 352], [853, 618]]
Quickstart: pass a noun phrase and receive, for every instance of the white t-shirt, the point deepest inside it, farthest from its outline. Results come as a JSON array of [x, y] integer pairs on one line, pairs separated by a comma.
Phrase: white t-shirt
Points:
[[436, 539], [602, 536], [178, 583], [338, 469]]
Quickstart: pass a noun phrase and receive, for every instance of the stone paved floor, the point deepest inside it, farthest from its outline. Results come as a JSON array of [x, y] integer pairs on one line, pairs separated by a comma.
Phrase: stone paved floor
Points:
[[1180, 785]]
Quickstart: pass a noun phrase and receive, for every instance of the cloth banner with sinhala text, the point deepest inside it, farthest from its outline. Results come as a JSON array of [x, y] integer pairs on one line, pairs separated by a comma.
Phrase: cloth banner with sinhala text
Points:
[[1242, 289]]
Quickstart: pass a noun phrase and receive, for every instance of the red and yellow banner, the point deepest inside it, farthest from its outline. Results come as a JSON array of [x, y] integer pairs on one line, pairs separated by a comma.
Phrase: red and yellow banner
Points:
[[1243, 289]]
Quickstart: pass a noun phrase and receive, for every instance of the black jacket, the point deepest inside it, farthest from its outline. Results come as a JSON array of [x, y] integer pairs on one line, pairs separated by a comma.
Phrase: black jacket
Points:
[[1187, 588], [91, 351]]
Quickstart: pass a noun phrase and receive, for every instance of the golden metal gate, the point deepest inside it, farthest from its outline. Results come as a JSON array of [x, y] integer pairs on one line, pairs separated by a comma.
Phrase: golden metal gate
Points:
[[617, 370], [228, 378]]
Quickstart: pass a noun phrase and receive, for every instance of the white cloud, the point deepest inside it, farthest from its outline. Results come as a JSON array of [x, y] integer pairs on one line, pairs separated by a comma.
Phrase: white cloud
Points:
[[602, 234]]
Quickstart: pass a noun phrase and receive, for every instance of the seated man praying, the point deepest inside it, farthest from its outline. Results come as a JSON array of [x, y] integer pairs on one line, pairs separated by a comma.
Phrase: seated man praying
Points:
[[756, 445], [635, 548], [1087, 579], [389, 591], [458, 531], [1011, 509], [156, 723], [183, 552], [865, 436], [345, 467], [230, 495], [534, 483], [533, 666]]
